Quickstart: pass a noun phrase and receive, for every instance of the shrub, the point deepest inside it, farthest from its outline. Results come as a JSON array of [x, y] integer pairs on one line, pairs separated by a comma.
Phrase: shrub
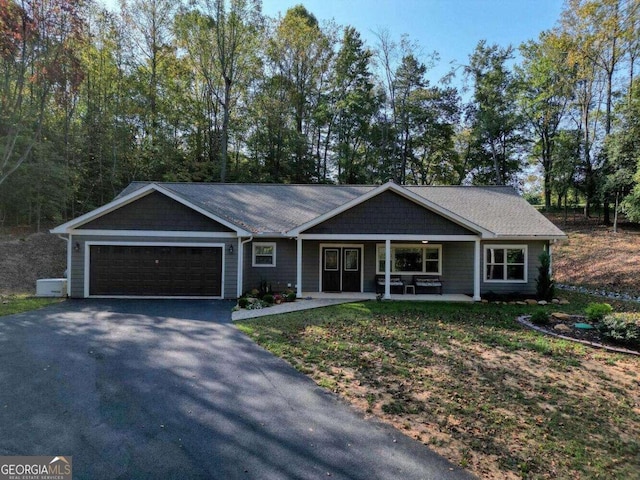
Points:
[[596, 311], [243, 302], [291, 297], [268, 299], [544, 284], [622, 328], [540, 317]]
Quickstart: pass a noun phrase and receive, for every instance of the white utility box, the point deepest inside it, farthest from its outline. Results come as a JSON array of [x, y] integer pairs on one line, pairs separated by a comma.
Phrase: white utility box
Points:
[[51, 287]]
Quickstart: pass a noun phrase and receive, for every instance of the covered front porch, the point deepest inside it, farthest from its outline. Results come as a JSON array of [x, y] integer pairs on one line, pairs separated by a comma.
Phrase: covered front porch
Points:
[[392, 267], [363, 296]]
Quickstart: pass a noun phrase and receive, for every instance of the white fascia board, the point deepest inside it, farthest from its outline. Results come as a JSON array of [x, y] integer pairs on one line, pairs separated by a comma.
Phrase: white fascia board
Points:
[[336, 211], [133, 196], [98, 212], [526, 238], [240, 231], [155, 233], [442, 211], [393, 237], [400, 191]]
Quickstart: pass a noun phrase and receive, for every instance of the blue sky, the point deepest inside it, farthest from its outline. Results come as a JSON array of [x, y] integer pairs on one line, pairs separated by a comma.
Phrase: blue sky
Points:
[[450, 27]]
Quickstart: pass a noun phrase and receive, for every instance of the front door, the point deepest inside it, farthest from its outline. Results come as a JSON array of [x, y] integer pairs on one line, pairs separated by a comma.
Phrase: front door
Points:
[[341, 269]]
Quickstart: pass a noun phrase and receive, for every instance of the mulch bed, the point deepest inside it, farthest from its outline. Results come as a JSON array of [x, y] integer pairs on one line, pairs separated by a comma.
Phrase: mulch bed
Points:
[[565, 328]]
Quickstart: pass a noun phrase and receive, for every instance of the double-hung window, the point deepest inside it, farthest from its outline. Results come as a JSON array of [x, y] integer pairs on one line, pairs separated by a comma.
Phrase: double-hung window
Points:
[[264, 254], [505, 263], [412, 258]]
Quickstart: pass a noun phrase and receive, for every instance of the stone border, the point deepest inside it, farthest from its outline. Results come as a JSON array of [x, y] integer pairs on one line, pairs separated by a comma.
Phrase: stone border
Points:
[[599, 293], [523, 320]]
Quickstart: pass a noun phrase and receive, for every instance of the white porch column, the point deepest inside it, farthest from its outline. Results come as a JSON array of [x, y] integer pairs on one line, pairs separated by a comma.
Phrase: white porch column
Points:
[[299, 267], [240, 266], [477, 271], [387, 269]]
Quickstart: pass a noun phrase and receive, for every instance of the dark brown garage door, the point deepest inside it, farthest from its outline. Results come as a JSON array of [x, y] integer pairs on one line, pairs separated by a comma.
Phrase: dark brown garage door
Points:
[[155, 271]]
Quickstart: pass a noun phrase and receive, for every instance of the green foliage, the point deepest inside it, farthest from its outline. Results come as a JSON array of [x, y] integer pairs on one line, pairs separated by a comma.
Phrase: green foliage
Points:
[[291, 297], [623, 327], [243, 302], [540, 317], [268, 299], [595, 312], [23, 303], [545, 287]]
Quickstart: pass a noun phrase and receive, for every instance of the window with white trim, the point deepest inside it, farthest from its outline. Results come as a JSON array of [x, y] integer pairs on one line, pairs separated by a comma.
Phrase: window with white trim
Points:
[[264, 254], [505, 263], [411, 258]]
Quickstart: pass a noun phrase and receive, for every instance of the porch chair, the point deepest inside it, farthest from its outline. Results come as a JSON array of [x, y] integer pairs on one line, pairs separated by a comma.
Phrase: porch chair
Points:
[[395, 282], [424, 283]]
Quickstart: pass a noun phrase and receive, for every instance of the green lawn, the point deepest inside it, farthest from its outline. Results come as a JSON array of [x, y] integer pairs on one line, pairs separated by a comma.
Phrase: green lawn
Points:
[[22, 303], [471, 383]]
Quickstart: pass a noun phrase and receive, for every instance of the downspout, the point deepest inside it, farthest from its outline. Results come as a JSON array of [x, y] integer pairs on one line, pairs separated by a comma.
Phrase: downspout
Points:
[[241, 263], [68, 272]]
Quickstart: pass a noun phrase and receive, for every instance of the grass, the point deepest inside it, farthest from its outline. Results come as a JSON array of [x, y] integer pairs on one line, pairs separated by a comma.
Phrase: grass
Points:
[[467, 380], [23, 303]]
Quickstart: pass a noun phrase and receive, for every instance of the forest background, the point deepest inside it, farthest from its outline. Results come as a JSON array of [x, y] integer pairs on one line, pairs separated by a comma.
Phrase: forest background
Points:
[[215, 91]]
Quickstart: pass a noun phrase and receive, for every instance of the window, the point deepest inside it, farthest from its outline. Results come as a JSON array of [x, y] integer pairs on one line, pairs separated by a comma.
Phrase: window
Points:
[[505, 263], [264, 255], [412, 259]]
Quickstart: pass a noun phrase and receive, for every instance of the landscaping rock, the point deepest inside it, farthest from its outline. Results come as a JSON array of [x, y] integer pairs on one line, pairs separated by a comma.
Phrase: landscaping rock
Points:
[[563, 317], [555, 301], [563, 302], [531, 301], [542, 302], [521, 302], [561, 327]]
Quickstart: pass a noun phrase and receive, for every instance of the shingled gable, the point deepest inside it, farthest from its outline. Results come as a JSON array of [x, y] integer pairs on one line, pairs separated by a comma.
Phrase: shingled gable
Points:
[[93, 220], [403, 192]]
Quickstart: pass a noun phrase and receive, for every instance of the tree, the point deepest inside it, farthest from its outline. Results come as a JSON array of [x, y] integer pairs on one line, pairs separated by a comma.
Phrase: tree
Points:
[[353, 104], [623, 151], [38, 61], [299, 55], [495, 120], [546, 86], [222, 39]]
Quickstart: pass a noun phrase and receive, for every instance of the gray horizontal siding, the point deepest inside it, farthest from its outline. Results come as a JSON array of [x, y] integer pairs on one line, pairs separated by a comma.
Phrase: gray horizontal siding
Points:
[[77, 258], [280, 276], [534, 249], [156, 212], [389, 213]]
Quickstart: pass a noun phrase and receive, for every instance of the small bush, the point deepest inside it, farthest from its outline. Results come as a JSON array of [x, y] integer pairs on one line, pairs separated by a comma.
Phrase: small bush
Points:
[[268, 299], [622, 328], [545, 287], [596, 311], [540, 317], [291, 297], [243, 302]]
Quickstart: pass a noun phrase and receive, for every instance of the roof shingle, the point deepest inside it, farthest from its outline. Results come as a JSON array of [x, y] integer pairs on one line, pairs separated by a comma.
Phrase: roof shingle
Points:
[[278, 208]]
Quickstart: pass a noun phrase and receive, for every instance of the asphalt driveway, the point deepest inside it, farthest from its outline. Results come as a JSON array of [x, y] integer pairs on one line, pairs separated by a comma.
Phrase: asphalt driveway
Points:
[[171, 389]]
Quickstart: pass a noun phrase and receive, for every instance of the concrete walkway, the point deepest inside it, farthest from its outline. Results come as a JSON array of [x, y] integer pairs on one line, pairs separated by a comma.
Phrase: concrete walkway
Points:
[[287, 307], [317, 300]]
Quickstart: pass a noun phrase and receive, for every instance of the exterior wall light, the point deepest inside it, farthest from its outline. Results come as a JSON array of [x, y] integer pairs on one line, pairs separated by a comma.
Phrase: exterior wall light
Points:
[[230, 249]]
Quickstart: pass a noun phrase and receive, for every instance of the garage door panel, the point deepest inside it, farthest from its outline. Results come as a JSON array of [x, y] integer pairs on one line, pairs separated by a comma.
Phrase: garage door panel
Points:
[[155, 270]]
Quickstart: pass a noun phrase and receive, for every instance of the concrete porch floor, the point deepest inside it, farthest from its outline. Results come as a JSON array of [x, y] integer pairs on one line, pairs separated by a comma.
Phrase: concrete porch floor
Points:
[[316, 300], [410, 297]]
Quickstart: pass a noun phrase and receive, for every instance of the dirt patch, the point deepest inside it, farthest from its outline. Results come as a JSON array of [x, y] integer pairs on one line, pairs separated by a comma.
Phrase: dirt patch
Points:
[[596, 257], [25, 257]]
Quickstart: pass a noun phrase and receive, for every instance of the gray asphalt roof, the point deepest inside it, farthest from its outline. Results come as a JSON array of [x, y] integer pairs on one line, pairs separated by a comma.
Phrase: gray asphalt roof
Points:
[[277, 208]]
